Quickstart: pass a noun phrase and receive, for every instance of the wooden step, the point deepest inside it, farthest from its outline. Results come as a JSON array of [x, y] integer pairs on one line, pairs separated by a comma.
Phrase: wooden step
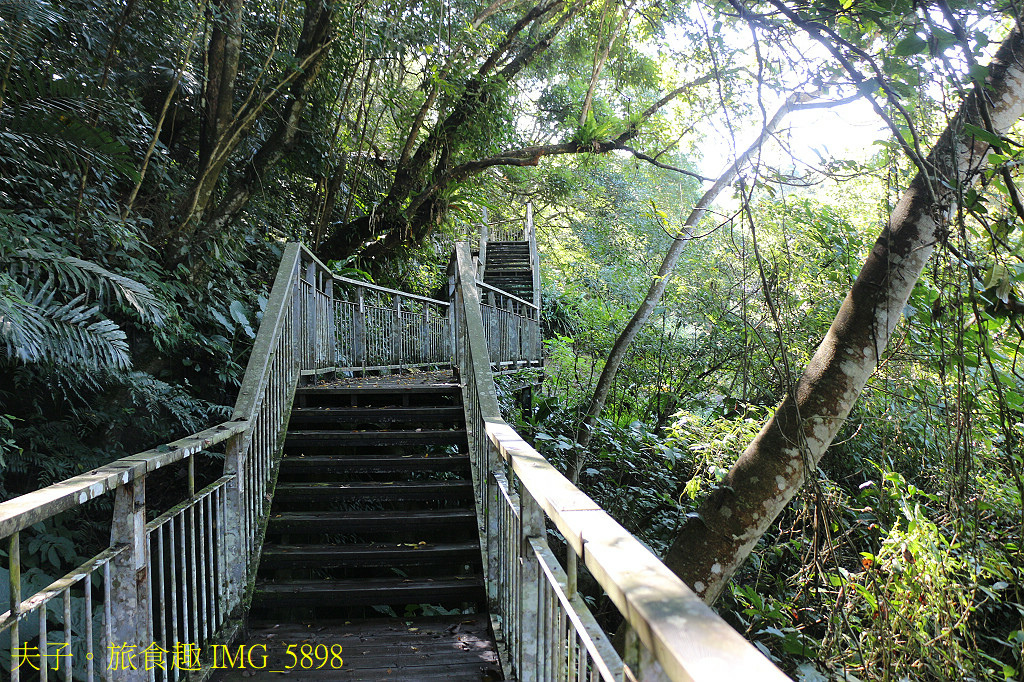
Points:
[[401, 490], [322, 437], [343, 464], [368, 555], [511, 246], [418, 649], [323, 523], [417, 389], [377, 415], [362, 592]]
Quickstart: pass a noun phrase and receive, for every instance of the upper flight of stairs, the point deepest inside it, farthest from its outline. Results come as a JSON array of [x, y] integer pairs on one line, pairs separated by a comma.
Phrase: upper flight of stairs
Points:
[[508, 267], [373, 518]]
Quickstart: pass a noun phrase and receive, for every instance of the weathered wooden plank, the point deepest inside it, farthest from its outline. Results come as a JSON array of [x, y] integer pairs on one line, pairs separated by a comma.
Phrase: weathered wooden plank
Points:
[[350, 522], [373, 554], [23, 511], [405, 490], [392, 292]]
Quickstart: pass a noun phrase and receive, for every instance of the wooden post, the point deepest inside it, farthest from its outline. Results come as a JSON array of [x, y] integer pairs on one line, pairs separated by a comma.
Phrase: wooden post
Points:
[[453, 320], [14, 564], [309, 306], [332, 326], [485, 236], [642, 665], [531, 237], [425, 334], [396, 334], [129, 598], [234, 523], [359, 330], [531, 618]]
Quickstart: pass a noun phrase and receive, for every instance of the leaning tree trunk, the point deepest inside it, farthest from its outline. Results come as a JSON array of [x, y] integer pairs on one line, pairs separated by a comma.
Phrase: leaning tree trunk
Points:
[[660, 281], [710, 547]]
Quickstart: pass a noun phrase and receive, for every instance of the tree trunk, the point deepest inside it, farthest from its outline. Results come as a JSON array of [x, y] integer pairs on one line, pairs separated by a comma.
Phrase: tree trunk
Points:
[[310, 53], [710, 548], [225, 131], [661, 280]]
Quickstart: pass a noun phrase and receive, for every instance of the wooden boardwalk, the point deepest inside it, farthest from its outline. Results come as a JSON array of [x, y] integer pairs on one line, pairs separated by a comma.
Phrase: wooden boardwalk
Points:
[[455, 648], [373, 514]]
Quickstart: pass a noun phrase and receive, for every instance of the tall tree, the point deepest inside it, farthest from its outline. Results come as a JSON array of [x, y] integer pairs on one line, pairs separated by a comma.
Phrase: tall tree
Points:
[[712, 545]]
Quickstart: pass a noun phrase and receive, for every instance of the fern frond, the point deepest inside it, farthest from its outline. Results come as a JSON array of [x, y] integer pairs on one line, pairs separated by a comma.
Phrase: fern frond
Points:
[[44, 120], [19, 20], [38, 329], [81, 276]]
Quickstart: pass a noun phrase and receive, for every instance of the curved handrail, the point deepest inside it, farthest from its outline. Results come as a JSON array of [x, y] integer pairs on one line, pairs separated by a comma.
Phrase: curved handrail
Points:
[[687, 639]]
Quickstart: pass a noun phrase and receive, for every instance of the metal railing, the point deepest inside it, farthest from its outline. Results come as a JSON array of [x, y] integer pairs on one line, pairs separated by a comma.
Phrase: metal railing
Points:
[[147, 606], [512, 328], [167, 587], [382, 329], [545, 630]]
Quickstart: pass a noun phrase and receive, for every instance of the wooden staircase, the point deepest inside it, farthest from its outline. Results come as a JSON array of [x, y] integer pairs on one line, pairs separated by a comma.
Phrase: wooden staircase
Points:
[[509, 267], [373, 531]]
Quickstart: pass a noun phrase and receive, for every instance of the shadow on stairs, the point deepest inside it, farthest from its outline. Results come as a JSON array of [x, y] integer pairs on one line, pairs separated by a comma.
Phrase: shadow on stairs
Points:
[[371, 565]]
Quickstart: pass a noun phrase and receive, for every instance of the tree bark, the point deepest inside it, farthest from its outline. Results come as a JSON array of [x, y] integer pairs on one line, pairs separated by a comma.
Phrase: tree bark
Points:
[[225, 130], [710, 548], [310, 53]]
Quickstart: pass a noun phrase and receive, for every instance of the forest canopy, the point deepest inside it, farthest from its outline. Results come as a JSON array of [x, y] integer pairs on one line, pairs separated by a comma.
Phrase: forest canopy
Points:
[[736, 361]]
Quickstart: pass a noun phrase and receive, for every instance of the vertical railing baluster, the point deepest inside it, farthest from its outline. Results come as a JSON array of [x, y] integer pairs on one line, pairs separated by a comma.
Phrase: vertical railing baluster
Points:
[[14, 579]]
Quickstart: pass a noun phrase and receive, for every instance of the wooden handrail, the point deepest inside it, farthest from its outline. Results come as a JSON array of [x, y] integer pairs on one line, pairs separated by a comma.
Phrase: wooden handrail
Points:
[[385, 290], [502, 292], [687, 639], [21, 512]]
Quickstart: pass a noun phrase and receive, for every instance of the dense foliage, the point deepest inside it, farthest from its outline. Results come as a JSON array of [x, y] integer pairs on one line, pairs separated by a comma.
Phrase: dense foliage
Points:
[[154, 154]]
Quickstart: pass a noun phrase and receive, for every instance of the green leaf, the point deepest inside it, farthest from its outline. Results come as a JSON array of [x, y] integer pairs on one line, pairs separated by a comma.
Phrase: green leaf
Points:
[[978, 133], [978, 72], [237, 312], [912, 44]]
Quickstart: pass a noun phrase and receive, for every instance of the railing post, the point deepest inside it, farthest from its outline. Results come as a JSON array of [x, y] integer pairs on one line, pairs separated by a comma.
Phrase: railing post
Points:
[[453, 319], [425, 335], [359, 340], [309, 306], [396, 333], [235, 526], [484, 236], [129, 576], [14, 576], [531, 620], [643, 667], [531, 237], [330, 328], [512, 332]]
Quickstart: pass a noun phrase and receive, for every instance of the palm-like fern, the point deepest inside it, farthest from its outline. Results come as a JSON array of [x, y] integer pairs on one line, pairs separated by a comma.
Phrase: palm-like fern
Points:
[[51, 304], [44, 122], [36, 327]]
